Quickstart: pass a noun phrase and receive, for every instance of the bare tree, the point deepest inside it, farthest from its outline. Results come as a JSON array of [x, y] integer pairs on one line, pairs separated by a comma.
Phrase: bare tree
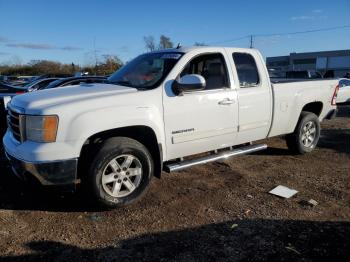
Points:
[[149, 43], [165, 42]]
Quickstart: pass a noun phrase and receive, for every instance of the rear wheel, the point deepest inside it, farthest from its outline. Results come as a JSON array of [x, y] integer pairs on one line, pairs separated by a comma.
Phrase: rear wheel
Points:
[[306, 135], [121, 172]]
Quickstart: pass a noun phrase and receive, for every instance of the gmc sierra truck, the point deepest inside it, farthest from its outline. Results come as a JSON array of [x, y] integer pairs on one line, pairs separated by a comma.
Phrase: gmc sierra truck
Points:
[[165, 110]]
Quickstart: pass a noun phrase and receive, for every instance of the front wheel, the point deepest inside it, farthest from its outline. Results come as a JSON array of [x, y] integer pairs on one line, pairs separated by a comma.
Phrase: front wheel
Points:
[[121, 172], [306, 135]]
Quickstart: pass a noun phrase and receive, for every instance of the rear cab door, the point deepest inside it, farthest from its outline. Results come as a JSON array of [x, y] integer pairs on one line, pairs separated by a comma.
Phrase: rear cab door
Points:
[[255, 101]]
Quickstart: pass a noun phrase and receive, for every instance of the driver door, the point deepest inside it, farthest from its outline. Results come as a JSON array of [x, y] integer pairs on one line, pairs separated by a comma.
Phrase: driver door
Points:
[[204, 120]]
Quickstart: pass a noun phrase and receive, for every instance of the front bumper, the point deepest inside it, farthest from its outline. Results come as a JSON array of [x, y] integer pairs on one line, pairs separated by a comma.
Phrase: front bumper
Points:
[[52, 173]]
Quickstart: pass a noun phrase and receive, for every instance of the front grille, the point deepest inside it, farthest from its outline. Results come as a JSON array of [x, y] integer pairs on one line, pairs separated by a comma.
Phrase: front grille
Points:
[[13, 121]]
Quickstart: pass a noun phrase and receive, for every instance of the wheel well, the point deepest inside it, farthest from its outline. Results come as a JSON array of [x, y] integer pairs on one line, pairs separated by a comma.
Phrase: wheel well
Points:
[[314, 107], [143, 134]]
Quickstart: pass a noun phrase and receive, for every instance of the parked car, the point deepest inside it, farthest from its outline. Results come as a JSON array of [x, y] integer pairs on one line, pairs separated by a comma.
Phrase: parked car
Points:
[[10, 90], [303, 74], [7, 92], [344, 91], [51, 76], [39, 84], [76, 80], [164, 110]]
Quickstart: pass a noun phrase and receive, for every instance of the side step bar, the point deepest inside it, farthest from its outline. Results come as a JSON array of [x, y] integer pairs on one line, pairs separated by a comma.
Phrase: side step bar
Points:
[[215, 157]]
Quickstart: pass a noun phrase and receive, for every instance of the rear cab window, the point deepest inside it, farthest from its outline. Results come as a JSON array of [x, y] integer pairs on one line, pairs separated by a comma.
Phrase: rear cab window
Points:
[[247, 70]]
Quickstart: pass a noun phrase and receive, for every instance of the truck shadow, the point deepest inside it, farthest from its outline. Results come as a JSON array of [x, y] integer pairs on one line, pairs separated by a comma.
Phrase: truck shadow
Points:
[[335, 139], [343, 110], [236, 240], [18, 195], [273, 151]]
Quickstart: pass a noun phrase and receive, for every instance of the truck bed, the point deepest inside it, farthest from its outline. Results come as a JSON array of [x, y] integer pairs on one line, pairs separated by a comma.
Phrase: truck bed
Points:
[[291, 96]]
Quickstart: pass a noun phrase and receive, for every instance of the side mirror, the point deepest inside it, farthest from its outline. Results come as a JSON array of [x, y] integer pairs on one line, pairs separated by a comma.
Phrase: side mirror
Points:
[[188, 83]]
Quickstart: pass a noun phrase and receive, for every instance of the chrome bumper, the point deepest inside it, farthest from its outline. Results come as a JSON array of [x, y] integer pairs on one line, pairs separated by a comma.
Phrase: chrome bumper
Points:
[[53, 173]]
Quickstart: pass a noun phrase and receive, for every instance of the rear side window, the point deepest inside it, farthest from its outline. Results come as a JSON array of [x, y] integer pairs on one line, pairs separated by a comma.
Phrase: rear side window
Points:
[[247, 70]]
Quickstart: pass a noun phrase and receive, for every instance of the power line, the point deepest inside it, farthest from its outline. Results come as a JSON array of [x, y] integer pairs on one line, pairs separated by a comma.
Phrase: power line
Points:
[[251, 36], [230, 40], [305, 32]]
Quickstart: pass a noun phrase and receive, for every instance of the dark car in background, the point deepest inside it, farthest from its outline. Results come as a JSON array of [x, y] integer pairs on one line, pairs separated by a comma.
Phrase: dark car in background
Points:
[[39, 84], [76, 81], [8, 91]]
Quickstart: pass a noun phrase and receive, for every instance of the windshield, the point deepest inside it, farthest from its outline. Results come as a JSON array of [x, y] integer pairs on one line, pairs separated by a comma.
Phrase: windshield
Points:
[[145, 71]]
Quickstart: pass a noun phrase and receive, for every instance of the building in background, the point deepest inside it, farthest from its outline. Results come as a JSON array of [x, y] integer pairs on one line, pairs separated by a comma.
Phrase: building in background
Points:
[[325, 63]]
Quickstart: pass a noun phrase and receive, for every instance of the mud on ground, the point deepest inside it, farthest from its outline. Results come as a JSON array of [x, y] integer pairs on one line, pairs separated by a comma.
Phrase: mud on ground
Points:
[[215, 212]]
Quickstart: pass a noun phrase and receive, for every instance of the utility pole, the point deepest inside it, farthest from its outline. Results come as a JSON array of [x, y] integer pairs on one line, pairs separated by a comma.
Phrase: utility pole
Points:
[[251, 41], [95, 55]]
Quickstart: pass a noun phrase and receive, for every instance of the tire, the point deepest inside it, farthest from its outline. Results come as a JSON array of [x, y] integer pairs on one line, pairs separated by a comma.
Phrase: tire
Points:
[[301, 142], [120, 173]]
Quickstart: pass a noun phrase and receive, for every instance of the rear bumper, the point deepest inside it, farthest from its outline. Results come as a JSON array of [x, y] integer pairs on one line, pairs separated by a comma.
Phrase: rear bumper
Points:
[[331, 114], [53, 173]]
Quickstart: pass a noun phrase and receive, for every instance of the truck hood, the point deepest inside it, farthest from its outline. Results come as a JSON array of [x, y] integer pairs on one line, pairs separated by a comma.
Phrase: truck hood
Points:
[[49, 98]]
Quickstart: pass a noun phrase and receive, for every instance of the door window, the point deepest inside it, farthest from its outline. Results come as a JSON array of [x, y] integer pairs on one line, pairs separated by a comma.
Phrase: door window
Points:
[[212, 67]]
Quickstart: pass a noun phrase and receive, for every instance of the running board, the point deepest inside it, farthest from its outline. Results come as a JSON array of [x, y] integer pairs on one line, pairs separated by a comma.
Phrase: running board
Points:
[[215, 157]]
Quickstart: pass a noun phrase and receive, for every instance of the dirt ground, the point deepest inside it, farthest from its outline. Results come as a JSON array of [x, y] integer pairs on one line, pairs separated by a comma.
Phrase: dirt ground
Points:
[[215, 212]]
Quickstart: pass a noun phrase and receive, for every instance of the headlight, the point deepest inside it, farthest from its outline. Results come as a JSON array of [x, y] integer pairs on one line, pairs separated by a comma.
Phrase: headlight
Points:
[[42, 129], [7, 99]]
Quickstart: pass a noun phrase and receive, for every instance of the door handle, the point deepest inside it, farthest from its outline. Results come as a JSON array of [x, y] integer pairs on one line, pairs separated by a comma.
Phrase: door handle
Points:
[[226, 101]]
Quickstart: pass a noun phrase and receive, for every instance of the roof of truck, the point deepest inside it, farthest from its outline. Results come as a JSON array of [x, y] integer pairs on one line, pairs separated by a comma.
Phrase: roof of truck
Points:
[[186, 49]]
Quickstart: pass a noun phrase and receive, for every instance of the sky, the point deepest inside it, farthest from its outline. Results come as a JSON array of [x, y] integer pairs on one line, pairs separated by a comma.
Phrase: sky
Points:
[[74, 31]]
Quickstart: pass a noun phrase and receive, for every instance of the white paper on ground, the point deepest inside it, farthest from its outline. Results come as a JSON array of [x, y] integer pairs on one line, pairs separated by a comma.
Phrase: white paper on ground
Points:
[[283, 191]]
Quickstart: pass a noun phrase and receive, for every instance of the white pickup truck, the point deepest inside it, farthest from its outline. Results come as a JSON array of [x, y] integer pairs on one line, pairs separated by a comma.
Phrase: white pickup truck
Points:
[[208, 103]]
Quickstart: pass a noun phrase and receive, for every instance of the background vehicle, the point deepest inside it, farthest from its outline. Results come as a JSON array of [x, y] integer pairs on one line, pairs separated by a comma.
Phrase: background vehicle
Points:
[[205, 103], [10, 90], [344, 91], [39, 84], [7, 92], [306, 74], [76, 80]]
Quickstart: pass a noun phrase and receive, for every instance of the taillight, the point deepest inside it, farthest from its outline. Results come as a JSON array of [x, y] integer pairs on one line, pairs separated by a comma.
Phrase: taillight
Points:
[[20, 92], [335, 94]]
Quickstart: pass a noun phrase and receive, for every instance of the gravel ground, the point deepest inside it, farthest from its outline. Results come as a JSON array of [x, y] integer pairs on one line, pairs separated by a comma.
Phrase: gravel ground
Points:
[[215, 212]]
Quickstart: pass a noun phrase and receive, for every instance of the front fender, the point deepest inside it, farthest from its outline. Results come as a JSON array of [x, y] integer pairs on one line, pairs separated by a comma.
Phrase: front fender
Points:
[[93, 122]]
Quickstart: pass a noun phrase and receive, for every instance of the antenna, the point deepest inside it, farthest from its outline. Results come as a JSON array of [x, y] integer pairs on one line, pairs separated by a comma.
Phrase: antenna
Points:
[[251, 41], [178, 46]]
